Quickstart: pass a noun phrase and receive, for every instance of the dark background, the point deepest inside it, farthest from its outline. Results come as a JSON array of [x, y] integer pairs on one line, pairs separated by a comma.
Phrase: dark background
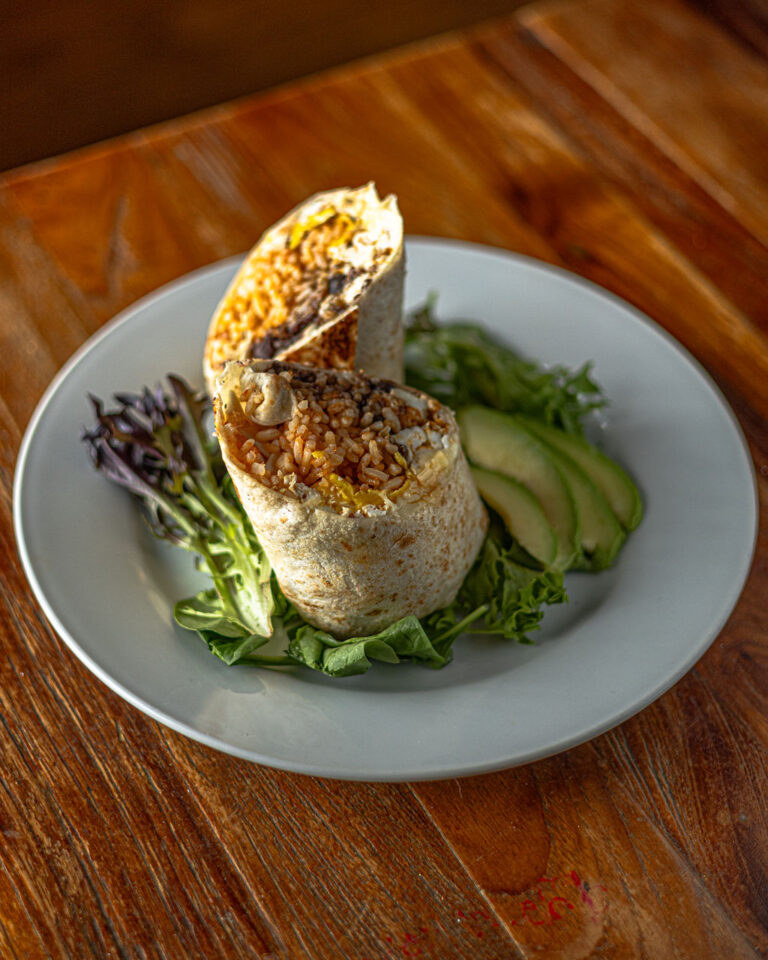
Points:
[[73, 72], [76, 71]]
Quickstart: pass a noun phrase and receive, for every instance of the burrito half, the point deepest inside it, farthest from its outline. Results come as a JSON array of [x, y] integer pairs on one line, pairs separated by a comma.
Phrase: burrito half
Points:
[[324, 287], [357, 488]]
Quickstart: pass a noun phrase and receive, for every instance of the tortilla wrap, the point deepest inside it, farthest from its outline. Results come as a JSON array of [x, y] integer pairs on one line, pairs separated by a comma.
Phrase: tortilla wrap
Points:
[[323, 287], [357, 487]]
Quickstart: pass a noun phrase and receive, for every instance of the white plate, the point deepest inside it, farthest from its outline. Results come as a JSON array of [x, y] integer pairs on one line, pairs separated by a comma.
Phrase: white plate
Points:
[[623, 639]]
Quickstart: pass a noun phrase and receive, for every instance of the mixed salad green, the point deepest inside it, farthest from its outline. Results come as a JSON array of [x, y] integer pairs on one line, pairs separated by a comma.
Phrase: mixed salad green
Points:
[[159, 446]]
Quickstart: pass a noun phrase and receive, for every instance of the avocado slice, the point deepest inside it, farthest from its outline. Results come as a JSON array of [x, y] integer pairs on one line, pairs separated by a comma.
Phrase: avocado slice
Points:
[[495, 441], [602, 536], [521, 512], [609, 478]]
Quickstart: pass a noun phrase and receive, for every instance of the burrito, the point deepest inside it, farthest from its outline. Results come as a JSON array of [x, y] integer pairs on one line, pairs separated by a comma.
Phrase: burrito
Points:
[[357, 488], [323, 287]]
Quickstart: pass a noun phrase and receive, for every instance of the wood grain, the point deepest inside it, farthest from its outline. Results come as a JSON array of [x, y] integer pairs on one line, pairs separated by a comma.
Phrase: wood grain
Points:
[[130, 65], [748, 21], [706, 233], [541, 134], [120, 835], [703, 121]]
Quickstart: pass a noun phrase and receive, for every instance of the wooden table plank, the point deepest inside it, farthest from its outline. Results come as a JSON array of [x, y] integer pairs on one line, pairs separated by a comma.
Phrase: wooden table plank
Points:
[[41, 320], [649, 841], [689, 87], [747, 20], [595, 889], [106, 227], [707, 234], [371, 853]]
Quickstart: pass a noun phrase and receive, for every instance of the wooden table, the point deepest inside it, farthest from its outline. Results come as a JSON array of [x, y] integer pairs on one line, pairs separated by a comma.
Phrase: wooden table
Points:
[[625, 141]]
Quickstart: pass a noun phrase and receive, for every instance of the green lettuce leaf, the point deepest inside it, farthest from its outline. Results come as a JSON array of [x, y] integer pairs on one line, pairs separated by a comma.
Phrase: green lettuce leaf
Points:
[[156, 445], [514, 593], [228, 637], [405, 639], [205, 611], [240, 650]]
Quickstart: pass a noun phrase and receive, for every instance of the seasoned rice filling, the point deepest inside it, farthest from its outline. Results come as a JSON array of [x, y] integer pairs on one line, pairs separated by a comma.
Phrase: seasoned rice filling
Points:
[[355, 441], [310, 271]]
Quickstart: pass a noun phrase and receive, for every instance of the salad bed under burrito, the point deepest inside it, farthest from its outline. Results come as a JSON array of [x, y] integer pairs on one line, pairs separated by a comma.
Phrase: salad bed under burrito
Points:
[[159, 445]]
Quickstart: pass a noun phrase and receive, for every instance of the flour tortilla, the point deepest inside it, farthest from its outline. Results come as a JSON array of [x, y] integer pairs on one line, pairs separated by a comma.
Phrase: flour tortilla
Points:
[[354, 574], [358, 328]]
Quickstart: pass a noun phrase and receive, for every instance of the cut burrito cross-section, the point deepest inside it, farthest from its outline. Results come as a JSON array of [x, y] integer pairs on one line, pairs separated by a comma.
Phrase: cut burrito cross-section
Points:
[[322, 287], [357, 488]]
